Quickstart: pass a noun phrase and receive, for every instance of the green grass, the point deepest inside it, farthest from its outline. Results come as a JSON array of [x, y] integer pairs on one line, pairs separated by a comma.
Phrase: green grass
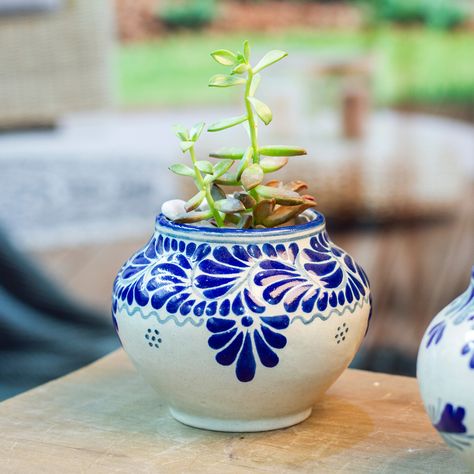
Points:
[[425, 66], [418, 65]]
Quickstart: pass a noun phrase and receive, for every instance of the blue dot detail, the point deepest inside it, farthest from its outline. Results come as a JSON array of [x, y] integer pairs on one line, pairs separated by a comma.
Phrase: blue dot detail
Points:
[[247, 321]]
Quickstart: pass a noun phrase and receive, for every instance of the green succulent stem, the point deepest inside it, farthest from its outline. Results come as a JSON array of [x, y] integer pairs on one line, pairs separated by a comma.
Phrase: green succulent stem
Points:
[[254, 194], [203, 186], [215, 212], [252, 126], [199, 178], [256, 204], [251, 117]]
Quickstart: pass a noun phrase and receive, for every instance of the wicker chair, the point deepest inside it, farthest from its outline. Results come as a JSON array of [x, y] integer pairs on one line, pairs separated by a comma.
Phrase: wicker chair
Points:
[[54, 61]]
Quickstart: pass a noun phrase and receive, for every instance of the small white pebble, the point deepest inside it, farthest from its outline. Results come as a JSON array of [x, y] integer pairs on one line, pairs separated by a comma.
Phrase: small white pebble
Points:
[[302, 219], [376, 384], [173, 208]]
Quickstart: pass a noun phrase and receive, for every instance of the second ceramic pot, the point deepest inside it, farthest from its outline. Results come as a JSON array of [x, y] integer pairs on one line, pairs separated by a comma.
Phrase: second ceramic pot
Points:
[[445, 372]]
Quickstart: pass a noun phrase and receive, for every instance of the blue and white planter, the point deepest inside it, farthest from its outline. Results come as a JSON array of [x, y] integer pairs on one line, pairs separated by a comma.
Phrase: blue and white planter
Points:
[[445, 372], [241, 330]]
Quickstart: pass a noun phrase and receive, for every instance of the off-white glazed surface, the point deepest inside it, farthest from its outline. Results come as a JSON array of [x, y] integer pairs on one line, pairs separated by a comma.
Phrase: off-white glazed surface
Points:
[[445, 373], [291, 348]]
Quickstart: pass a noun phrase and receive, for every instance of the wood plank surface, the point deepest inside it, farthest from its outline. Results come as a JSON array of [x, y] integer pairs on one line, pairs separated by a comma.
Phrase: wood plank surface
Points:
[[105, 419]]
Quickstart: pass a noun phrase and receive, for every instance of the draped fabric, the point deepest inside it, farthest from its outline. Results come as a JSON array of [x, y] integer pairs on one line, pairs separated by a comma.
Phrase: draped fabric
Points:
[[44, 333]]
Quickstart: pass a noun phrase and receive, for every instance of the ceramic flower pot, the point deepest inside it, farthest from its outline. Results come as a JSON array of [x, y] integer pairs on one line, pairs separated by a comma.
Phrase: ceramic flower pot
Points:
[[241, 330], [445, 372]]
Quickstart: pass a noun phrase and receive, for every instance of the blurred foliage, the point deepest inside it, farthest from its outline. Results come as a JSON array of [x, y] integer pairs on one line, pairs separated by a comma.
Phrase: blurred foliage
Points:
[[193, 14], [443, 14], [412, 66], [425, 67]]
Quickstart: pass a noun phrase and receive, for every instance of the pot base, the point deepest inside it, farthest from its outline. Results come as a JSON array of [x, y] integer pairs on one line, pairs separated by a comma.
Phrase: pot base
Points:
[[216, 424]]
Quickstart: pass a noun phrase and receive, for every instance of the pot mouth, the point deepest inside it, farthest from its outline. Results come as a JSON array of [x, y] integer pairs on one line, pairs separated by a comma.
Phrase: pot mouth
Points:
[[315, 225]]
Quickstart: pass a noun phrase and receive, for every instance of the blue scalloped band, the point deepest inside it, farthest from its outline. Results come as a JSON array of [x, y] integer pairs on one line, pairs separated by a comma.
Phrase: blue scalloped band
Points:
[[229, 287]]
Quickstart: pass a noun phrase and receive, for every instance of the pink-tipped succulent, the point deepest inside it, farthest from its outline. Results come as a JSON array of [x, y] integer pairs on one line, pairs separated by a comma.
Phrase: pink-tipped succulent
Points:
[[258, 203]]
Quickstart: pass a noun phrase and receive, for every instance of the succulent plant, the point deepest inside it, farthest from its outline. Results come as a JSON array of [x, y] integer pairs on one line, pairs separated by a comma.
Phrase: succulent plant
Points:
[[257, 203]]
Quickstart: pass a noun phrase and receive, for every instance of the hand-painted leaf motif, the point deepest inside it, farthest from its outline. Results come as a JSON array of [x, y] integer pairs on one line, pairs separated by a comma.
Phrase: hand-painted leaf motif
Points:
[[267, 356], [211, 282], [331, 279]]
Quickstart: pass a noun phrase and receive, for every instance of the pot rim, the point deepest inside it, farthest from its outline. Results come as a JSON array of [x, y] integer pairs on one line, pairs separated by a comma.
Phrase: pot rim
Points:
[[315, 225]]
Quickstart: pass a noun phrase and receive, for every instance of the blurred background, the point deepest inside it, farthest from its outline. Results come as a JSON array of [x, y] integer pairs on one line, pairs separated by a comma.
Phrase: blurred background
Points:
[[381, 92]]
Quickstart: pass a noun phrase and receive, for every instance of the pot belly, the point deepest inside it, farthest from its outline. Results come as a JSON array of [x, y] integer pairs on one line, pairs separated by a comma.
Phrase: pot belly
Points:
[[243, 332], [253, 385]]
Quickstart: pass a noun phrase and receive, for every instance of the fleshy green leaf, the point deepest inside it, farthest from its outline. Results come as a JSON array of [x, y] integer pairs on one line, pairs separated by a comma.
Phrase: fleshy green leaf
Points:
[[217, 192], [285, 213], [222, 167], [281, 150], [248, 201], [182, 170], [245, 161], [229, 205], [246, 50], [228, 153], [193, 216], [226, 123], [208, 179], [195, 201], [297, 186], [240, 68], [185, 146], [270, 164], [181, 132], [225, 57], [252, 176], [281, 195], [270, 58], [205, 166], [274, 183], [263, 209], [262, 109], [196, 131], [254, 85], [225, 80], [228, 179]]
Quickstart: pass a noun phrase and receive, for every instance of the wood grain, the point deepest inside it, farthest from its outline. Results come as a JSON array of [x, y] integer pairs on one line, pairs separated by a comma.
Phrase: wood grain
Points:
[[104, 419]]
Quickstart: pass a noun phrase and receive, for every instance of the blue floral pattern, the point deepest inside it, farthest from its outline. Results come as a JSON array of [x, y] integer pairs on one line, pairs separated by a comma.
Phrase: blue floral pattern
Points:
[[435, 333], [330, 278], [468, 350], [237, 340], [449, 421], [230, 287], [460, 311]]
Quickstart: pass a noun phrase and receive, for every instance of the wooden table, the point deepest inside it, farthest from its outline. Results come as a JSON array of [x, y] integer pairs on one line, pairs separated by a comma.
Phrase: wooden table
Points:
[[104, 419]]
